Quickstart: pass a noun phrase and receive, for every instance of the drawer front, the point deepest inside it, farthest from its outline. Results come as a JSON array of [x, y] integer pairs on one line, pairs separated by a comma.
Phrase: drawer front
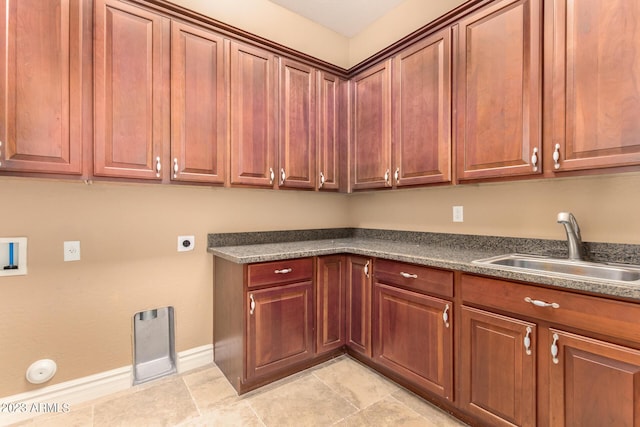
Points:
[[415, 277], [286, 271], [600, 315]]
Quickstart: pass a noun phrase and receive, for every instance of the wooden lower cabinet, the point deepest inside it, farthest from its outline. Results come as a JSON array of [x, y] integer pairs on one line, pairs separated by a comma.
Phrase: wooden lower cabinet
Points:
[[498, 368], [330, 303], [411, 337], [593, 383], [358, 313], [279, 327], [569, 378]]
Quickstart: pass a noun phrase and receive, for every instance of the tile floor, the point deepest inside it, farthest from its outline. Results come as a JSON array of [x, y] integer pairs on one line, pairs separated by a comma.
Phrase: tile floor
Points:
[[340, 392]]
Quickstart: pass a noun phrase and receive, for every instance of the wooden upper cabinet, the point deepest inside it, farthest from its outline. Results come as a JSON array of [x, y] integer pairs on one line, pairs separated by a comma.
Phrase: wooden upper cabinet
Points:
[[330, 100], [498, 91], [199, 104], [422, 112], [371, 128], [594, 58], [131, 91], [297, 150], [43, 58], [254, 121]]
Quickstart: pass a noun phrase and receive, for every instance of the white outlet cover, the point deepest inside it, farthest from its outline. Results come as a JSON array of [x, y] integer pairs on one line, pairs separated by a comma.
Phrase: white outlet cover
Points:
[[72, 250], [458, 214], [186, 243]]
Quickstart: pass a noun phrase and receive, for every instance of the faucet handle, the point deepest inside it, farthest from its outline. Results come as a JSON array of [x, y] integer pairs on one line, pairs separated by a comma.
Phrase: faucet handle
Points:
[[564, 217]]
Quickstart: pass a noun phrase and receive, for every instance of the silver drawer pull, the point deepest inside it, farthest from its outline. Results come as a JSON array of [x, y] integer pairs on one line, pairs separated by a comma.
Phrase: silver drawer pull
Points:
[[366, 269], [284, 271], [408, 275], [527, 341], [252, 304], [539, 303], [554, 349], [445, 316]]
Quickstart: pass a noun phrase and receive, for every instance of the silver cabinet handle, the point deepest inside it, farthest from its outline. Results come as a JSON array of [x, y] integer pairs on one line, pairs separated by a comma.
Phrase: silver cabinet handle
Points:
[[283, 271], [271, 176], [396, 175], [534, 159], [175, 167], [539, 303], [0, 153], [556, 157], [445, 316], [408, 275], [283, 176], [366, 269], [321, 179], [527, 341], [252, 304], [554, 349], [386, 177], [158, 167]]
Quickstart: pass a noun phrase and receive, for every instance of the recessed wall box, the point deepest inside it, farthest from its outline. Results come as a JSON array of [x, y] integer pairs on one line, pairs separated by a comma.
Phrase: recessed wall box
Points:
[[13, 256]]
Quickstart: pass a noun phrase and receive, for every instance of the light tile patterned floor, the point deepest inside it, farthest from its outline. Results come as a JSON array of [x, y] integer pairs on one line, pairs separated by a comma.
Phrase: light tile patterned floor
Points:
[[340, 392]]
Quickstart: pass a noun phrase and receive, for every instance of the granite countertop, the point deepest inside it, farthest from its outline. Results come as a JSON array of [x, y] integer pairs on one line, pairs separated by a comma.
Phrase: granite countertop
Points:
[[453, 252]]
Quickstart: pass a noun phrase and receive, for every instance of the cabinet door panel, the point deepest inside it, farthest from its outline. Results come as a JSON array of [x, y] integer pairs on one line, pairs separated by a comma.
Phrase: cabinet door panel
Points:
[[595, 98], [253, 116], [372, 127], [422, 112], [330, 100], [359, 305], [279, 328], [297, 125], [199, 64], [130, 89], [594, 383], [498, 376], [41, 85], [499, 90], [330, 303], [411, 337]]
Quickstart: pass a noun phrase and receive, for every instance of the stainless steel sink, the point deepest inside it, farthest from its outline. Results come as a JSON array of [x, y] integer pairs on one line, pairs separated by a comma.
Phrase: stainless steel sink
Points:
[[556, 266]]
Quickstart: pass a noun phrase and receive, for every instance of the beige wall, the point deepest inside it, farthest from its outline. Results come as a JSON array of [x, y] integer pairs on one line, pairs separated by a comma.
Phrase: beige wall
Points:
[[79, 313], [606, 208], [404, 19], [273, 22], [276, 23]]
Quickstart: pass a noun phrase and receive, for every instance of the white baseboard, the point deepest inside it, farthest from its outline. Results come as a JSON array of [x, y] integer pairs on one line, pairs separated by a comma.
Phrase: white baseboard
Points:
[[26, 405]]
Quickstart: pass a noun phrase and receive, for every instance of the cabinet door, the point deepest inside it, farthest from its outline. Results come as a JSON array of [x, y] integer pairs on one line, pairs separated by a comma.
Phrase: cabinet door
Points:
[[131, 91], [498, 95], [330, 133], [372, 128], [358, 301], [199, 111], [297, 125], [422, 112], [498, 369], [412, 338], [42, 68], [330, 303], [593, 383], [253, 116], [280, 327], [595, 97]]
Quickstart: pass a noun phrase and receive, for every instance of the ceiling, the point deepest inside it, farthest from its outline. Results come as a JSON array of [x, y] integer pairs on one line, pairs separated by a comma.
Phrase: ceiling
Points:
[[346, 17]]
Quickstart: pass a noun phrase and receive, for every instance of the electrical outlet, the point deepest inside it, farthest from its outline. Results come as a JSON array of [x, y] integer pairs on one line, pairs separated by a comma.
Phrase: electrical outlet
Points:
[[457, 214], [72, 251], [186, 243]]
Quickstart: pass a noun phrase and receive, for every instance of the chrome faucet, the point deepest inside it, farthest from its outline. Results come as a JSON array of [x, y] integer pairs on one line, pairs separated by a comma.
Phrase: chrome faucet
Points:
[[576, 250]]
